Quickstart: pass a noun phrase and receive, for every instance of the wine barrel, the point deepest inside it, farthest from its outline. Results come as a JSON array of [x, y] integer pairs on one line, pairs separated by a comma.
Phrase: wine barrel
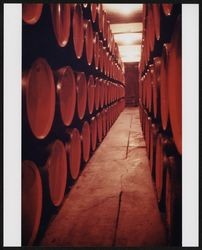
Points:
[[157, 21], [31, 12], [88, 37], [56, 172], [108, 35], [96, 49], [153, 138], [159, 167], [164, 149], [144, 90], [39, 94], [105, 92], [150, 28], [167, 8], [81, 93], [97, 93], [175, 85], [150, 87], [164, 87], [104, 122], [173, 204], [93, 131], [85, 139], [101, 56], [78, 31], [73, 150], [66, 92], [156, 87], [61, 19], [99, 127], [93, 7], [31, 202], [104, 25], [102, 82], [100, 17], [91, 94], [147, 134]]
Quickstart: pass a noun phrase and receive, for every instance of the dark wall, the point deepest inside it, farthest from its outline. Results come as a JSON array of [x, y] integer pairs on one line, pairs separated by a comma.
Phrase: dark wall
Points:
[[132, 86]]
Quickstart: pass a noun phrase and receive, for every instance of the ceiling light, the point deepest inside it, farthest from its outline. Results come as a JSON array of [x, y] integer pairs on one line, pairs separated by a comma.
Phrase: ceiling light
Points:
[[126, 27], [123, 9], [130, 53], [128, 38]]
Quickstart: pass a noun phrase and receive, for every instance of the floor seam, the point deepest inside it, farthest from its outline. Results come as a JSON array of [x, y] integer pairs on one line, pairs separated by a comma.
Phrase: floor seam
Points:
[[128, 138], [117, 219]]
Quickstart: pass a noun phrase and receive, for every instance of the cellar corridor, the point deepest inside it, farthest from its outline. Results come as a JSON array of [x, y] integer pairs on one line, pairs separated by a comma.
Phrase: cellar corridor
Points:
[[113, 203]]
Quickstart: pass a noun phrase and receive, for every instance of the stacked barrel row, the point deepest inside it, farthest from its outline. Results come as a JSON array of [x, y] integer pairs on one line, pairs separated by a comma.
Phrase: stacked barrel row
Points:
[[160, 105], [73, 91]]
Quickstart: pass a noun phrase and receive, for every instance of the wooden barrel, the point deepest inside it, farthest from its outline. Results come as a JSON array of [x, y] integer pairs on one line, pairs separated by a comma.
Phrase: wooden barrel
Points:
[[39, 92], [104, 25], [167, 8], [97, 93], [31, 202], [154, 130], [61, 19], [56, 172], [156, 88], [108, 35], [144, 90], [104, 122], [102, 93], [164, 87], [175, 85], [164, 148], [93, 7], [66, 93], [96, 49], [147, 134], [105, 92], [78, 31], [31, 12], [88, 37], [101, 56], [150, 87], [100, 17], [157, 21], [93, 132], [99, 127], [85, 139], [81, 88], [173, 201], [108, 92], [91, 94], [150, 28], [73, 150], [159, 167]]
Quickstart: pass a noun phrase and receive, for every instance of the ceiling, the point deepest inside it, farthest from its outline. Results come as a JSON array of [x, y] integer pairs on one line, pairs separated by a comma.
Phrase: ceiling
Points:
[[126, 25]]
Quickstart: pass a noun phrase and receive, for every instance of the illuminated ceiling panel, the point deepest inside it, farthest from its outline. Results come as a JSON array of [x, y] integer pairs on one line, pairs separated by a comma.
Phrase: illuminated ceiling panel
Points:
[[128, 38], [123, 9], [130, 53], [126, 27]]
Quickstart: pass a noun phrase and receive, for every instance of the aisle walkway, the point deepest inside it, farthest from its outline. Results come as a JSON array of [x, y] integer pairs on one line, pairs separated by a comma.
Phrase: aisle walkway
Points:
[[113, 202]]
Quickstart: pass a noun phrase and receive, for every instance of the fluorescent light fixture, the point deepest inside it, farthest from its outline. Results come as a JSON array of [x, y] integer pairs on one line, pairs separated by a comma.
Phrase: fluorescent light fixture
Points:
[[130, 53], [128, 38], [126, 27], [123, 9]]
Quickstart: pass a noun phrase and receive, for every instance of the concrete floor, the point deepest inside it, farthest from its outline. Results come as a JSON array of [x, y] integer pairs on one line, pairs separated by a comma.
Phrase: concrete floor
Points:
[[113, 203]]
